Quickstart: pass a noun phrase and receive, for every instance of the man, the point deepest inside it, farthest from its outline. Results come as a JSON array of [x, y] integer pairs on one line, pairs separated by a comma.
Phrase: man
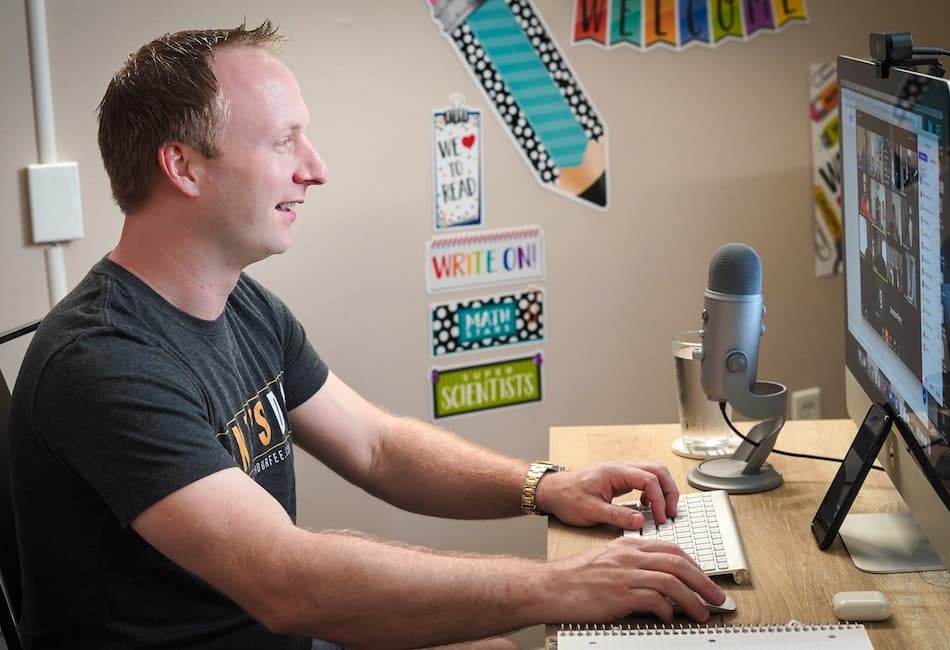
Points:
[[159, 408]]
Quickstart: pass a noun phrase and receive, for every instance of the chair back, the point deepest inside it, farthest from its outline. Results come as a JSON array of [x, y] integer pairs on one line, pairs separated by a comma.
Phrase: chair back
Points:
[[11, 593], [9, 555]]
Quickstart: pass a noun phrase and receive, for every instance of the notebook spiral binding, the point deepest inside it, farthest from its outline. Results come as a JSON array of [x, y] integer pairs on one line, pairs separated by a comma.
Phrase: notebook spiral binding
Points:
[[631, 629]]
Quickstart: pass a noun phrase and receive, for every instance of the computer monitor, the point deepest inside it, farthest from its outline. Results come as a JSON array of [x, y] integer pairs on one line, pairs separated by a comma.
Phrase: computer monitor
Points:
[[894, 165]]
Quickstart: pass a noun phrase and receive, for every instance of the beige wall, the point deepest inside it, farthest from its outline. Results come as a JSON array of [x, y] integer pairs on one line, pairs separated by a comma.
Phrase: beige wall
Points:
[[706, 146]]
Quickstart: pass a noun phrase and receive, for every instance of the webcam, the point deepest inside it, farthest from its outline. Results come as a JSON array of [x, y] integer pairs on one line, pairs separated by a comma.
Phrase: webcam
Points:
[[891, 47]]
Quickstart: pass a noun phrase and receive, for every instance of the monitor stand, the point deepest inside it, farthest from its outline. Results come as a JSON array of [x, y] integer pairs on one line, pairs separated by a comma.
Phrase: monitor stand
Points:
[[889, 542]]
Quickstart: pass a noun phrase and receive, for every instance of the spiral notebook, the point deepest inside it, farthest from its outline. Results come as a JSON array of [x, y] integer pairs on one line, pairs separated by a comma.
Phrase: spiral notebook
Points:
[[841, 636]]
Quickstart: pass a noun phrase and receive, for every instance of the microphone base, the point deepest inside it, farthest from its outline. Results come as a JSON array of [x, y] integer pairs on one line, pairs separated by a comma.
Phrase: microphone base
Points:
[[726, 474]]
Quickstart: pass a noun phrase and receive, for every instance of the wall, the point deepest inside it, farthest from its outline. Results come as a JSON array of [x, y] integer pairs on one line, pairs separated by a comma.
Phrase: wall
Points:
[[706, 146]]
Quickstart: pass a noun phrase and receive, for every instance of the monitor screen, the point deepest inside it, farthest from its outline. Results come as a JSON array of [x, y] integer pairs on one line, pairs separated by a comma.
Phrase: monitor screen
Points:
[[894, 167]]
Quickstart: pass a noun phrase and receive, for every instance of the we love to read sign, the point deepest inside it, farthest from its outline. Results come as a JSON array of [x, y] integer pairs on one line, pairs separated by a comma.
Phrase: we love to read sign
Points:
[[457, 153]]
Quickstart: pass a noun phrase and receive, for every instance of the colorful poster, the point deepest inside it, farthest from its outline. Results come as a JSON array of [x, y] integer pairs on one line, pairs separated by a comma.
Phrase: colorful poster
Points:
[[487, 322], [484, 258], [456, 391], [679, 24], [826, 165], [457, 166], [510, 53]]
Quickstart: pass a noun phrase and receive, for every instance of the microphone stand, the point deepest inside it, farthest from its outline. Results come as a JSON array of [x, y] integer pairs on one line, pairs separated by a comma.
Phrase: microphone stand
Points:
[[746, 471]]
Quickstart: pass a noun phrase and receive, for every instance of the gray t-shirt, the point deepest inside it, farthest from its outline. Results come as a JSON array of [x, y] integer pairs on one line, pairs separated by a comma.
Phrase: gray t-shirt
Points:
[[121, 400]]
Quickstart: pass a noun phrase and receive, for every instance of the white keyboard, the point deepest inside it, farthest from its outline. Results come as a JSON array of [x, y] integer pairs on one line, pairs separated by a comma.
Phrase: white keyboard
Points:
[[704, 527]]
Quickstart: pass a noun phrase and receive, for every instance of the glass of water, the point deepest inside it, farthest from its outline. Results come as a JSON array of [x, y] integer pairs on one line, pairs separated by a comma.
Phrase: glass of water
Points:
[[704, 432]]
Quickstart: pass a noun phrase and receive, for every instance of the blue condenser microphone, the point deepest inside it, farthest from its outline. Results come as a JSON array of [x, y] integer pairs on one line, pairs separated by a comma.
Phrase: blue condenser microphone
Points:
[[732, 326], [732, 318]]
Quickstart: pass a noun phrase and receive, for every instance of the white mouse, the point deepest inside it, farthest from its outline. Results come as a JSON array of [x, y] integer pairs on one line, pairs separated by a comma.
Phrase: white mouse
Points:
[[728, 606]]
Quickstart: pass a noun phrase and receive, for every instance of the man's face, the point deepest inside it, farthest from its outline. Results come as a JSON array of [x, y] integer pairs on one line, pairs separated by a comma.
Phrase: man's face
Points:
[[250, 191]]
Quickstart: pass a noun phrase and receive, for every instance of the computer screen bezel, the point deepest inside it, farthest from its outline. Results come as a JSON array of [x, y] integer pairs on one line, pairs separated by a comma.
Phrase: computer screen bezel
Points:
[[864, 76]]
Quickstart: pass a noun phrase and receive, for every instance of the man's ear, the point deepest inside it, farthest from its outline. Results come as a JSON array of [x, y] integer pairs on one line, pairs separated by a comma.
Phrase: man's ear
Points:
[[181, 166]]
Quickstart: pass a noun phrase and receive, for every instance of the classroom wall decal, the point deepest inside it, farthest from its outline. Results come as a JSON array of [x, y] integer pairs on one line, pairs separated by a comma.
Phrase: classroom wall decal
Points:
[[484, 258], [487, 322], [826, 167], [679, 24], [510, 53], [457, 166], [496, 384]]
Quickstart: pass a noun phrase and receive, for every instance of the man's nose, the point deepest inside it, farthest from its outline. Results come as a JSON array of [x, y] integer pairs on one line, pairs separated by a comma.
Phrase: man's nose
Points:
[[312, 169]]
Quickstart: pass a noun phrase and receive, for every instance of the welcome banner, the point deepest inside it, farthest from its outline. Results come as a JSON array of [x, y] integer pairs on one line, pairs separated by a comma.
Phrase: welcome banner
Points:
[[678, 24]]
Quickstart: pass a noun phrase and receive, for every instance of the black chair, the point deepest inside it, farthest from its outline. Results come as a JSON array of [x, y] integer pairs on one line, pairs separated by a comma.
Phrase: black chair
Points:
[[9, 555]]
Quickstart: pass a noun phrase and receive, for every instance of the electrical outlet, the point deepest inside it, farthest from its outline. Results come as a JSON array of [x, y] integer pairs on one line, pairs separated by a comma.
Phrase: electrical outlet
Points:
[[806, 404], [55, 208]]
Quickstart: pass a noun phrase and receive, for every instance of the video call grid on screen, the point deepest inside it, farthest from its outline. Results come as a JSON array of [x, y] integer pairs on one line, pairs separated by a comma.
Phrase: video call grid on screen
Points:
[[887, 205], [891, 180]]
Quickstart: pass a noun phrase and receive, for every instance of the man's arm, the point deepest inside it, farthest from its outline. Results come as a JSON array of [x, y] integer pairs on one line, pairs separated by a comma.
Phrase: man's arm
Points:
[[426, 469], [366, 594], [409, 463]]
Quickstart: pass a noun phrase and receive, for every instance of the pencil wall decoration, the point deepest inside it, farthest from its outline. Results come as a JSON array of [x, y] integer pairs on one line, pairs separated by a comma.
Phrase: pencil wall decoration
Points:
[[510, 53], [679, 24]]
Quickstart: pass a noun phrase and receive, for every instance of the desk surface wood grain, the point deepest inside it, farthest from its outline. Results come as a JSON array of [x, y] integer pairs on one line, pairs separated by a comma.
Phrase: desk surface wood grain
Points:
[[791, 578]]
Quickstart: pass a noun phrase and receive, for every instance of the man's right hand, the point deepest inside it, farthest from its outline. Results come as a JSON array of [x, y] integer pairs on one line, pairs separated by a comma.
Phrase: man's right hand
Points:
[[630, 575]]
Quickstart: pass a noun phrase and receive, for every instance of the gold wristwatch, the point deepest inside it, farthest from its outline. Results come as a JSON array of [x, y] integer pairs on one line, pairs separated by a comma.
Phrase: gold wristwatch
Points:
[[530, 486]]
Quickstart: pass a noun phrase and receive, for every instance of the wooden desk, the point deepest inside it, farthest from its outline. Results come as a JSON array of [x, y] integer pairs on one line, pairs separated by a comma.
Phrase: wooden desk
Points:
[[791, 578]]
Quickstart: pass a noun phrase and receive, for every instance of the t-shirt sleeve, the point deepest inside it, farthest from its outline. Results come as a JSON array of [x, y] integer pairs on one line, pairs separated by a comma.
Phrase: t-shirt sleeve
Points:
[[128, 419]]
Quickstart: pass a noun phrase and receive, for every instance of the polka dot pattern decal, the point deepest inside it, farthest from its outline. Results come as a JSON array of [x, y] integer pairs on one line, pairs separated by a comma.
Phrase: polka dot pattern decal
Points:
[[487, 322]]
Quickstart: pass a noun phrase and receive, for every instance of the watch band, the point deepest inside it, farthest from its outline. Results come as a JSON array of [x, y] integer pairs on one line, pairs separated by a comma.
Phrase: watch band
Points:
[[529, 488]]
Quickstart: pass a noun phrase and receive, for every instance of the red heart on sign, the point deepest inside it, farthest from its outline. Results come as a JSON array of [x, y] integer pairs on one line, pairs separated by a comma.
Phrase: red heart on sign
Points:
[[468, 141]]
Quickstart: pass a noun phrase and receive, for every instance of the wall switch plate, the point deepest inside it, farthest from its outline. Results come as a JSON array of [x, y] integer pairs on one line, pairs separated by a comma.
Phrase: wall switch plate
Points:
[[55, 208], [805, 404]]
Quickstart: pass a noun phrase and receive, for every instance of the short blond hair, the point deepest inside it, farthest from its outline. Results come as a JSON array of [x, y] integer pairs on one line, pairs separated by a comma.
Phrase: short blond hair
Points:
[[166, 91]]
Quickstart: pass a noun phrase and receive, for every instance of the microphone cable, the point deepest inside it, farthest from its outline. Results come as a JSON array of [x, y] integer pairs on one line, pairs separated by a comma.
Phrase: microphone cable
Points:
[[725, 416]]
